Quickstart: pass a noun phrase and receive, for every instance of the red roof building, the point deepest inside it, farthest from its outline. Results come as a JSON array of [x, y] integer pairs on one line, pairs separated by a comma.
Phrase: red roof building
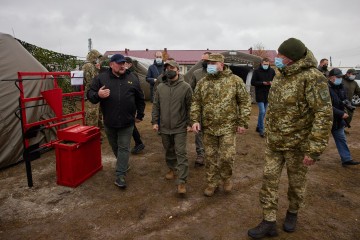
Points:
[[183, 57]]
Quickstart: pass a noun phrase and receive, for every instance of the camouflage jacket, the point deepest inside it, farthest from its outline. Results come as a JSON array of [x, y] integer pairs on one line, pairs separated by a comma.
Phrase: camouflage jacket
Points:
[[90, 71], [221, 103], [299, 115]]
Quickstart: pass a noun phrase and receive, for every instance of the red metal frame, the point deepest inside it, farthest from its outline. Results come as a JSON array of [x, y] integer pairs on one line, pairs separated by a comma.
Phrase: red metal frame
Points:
[[72, 117]]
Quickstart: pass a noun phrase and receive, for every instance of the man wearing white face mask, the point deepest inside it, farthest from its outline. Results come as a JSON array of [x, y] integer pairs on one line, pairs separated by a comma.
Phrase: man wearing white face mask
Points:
[[338, 95], [154, 71], [222, 106], [351, 87]]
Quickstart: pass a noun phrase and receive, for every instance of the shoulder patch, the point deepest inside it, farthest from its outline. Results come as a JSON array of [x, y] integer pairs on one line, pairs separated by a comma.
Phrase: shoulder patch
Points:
[[324, 94]]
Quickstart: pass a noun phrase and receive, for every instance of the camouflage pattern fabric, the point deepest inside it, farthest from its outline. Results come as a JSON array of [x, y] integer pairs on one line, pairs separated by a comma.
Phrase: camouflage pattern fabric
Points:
[[296, 170], [222, 103], [299, 114], [298, 123], [220, 156], [92, 115]]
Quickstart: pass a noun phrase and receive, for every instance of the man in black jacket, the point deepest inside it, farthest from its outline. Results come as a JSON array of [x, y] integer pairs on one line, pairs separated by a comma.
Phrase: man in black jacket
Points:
[[121, 98], [154, 72], [338, 95], [261, 79]]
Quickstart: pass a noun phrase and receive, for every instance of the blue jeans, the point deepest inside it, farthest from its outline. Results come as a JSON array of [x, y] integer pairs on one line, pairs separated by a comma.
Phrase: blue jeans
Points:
[[262, 110], [341, 144], [119, 140]]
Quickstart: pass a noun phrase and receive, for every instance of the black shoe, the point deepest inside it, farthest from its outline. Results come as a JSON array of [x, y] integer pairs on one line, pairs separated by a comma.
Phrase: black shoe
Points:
[[138, 148], [120, 182], [262, 135], [264, 229], [257, 129], [199, 162], [290, 222], [349, 163]]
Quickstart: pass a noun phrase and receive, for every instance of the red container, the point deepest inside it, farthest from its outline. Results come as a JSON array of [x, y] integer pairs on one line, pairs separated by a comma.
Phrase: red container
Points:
[[77, 133], [76, 162]]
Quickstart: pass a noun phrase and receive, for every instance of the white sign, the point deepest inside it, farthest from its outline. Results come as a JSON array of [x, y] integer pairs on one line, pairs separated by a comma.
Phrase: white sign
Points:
[[77, 77]]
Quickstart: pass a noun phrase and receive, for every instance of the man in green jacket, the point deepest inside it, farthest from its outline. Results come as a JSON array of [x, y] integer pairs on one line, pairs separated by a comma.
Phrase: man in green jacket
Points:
[[298, 124], [352, 88], [171, 105], [221, 107]]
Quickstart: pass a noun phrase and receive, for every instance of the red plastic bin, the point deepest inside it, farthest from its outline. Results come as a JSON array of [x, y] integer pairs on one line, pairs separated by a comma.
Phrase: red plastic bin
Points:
[[77, 161], [77, 133]]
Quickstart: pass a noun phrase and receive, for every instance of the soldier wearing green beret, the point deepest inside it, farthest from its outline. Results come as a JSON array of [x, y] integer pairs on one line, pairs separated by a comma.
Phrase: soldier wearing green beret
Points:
[[221, 107], [298, 123]]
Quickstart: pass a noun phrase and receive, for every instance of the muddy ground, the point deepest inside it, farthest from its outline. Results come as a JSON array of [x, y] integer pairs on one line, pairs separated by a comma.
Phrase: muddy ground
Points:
[[150, 208]]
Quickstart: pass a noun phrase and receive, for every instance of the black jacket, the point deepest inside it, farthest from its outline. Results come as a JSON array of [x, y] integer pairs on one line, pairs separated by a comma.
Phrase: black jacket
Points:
[[338, 94], [259, 76], [154, 71], [126, 98]]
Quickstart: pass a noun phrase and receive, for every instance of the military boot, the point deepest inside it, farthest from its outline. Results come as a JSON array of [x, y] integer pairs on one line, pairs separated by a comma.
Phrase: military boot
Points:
[[264, 229], [228, 185], [290, 222], [181, 188], [209, 191], [170, 175]]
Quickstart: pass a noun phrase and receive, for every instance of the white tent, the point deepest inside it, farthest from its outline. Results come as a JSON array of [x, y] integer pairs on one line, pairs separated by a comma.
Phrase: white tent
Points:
[[15, 58]]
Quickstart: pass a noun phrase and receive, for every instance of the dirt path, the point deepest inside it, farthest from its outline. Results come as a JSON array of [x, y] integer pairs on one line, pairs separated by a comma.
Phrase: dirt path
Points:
[[151, 209]]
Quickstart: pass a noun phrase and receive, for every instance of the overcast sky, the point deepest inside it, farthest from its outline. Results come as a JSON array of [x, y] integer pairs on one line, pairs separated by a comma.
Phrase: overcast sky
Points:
[[328, 28]]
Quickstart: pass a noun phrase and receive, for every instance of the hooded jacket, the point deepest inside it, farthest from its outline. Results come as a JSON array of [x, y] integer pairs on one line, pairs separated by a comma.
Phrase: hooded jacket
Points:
[[299, 115], [172, 105]]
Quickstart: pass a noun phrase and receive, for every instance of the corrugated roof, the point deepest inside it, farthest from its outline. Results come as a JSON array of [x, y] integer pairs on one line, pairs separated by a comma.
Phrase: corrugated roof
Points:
[[181, 56]]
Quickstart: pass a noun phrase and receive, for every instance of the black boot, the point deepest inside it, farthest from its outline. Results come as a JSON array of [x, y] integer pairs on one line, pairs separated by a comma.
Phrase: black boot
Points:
[[264, 229], [290, 222]]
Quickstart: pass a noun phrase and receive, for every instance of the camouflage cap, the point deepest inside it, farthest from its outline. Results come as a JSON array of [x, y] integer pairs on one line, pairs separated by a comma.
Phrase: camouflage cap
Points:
[[172, 63], [93, 55], [216, 57], [351, 71]]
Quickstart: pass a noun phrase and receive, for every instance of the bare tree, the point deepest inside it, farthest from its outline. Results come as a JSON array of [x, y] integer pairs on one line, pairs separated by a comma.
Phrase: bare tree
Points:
[[259, 50]]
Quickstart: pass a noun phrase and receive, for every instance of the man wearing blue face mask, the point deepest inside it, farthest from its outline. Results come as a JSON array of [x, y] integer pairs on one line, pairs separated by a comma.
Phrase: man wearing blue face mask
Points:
[[154, 71], [220, 108], [338, 95], [261, 79], [298, 123]]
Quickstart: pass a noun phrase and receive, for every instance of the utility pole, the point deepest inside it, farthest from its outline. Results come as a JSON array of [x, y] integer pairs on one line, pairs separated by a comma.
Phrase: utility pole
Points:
[[330, 62], [89, 44]]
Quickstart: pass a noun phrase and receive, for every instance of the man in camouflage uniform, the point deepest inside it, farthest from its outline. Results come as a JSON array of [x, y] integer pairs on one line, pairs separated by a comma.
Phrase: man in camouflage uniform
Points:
[[222, 113], [91, 69], [298, 123], [197, 75]]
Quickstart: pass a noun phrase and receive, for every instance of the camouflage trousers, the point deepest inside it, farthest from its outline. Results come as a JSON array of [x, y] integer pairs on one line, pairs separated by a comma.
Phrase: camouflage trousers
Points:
[[296, 172], [220, 156], [93, 115]]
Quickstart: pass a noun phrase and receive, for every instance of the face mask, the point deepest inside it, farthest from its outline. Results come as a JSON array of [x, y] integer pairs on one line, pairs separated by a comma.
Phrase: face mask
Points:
[[211, 69], [265, 67], [351, 77], [158, 60], [324, 67], [338, 81], [204, 65], [279, 63], [170, 74]]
